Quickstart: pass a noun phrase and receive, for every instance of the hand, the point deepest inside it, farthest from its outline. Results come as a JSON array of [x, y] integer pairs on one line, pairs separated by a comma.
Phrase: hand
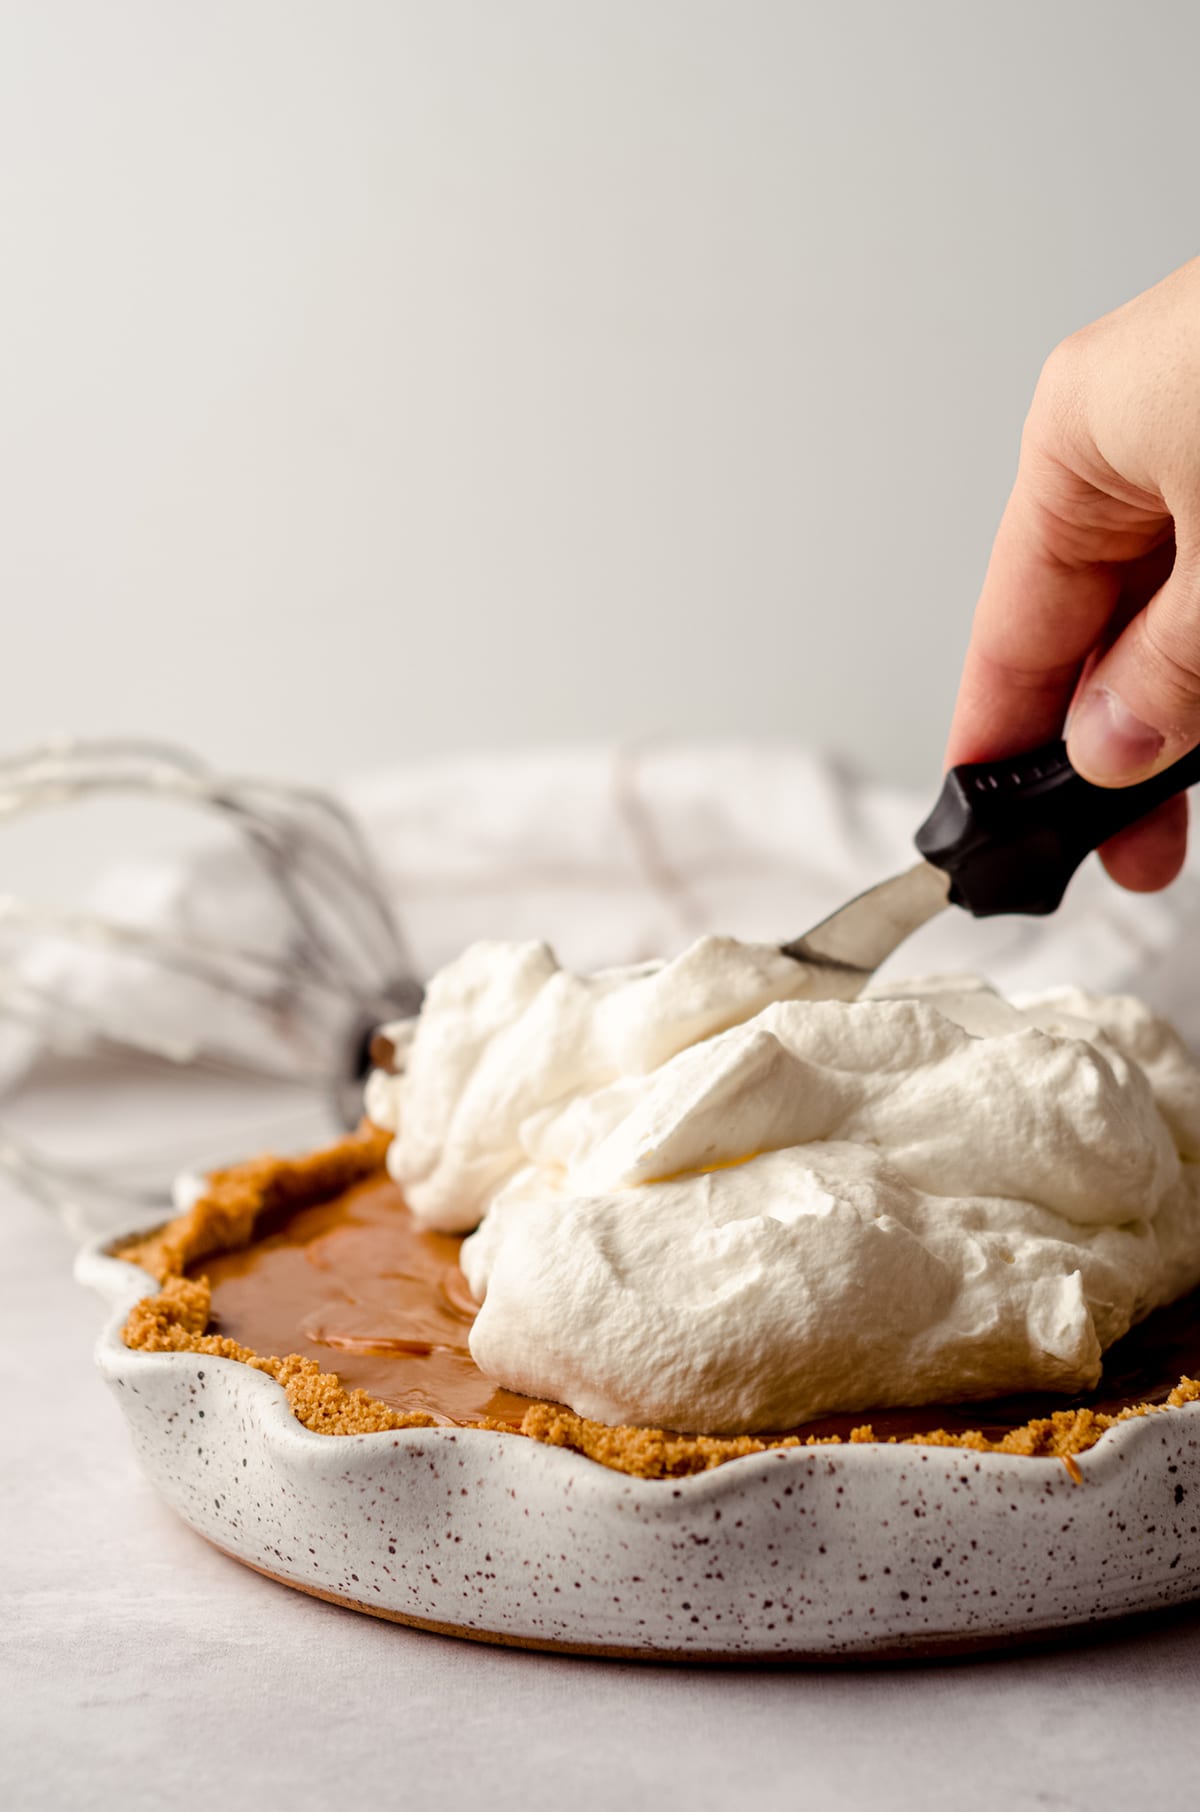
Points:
[[1090, 610]]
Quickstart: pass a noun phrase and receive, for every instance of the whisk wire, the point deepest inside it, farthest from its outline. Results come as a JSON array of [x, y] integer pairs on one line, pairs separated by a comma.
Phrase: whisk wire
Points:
[[332, 963]]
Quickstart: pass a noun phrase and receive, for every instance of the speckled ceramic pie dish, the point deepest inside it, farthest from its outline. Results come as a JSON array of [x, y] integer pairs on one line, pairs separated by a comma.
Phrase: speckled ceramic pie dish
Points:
[[794, 1553]]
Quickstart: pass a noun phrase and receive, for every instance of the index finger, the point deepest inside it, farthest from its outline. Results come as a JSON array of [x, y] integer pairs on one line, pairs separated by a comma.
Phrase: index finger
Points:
[[1040, 614]]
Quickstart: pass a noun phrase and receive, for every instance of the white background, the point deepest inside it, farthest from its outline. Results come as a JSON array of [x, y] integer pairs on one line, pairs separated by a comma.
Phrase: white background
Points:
[[378, 378]]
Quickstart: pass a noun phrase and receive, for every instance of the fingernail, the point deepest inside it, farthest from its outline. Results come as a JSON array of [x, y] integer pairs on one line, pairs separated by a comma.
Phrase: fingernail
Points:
[[1107, 742]]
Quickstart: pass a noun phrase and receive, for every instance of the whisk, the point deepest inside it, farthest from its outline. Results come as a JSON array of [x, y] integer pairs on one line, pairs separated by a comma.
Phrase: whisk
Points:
[[274, 956]]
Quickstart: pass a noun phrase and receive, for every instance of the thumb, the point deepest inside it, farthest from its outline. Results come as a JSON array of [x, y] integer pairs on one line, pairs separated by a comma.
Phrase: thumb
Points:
[[1138, 711]]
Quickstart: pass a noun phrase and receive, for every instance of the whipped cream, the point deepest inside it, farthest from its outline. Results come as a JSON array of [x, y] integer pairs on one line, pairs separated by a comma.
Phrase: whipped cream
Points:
[[705, 1198]]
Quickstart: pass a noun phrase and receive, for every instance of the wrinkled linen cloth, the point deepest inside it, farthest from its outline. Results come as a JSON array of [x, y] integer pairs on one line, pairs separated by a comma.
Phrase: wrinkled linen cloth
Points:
[[614, 855], [618, 855]]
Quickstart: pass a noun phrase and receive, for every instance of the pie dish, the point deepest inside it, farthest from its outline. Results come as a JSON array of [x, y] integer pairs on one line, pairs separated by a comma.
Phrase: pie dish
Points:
[[369, 1462]]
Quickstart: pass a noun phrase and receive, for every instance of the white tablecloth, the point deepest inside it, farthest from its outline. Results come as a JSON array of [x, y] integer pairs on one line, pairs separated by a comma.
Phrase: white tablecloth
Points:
[[143, 1669]]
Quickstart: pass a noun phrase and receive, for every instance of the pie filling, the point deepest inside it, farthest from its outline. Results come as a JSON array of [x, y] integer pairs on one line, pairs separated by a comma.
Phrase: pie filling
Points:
[[354, 1284], [314, 1271]]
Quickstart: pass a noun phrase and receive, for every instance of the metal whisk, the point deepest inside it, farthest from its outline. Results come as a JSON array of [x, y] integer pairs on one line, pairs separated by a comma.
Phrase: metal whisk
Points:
[[276, 961]]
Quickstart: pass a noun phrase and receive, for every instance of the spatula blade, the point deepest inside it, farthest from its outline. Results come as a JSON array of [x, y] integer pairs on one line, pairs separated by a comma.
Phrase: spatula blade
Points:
[[850, 944]]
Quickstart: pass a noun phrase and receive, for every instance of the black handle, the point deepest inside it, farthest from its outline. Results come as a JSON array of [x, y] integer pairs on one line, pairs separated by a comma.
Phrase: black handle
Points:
[[1010, 834]]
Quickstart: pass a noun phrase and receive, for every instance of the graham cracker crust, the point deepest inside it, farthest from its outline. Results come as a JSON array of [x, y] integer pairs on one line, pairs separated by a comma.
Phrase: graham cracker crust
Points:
[[226, 1216]]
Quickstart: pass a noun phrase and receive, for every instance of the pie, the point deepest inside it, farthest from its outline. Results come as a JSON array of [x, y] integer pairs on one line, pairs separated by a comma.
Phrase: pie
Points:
[[312, 1271]]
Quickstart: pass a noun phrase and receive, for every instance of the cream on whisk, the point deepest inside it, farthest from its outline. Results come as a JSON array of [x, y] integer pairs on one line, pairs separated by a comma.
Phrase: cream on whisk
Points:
[[706, 1198]]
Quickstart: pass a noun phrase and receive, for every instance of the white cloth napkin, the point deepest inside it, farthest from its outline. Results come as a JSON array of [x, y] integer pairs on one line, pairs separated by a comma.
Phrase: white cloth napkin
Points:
[[618, 854], [614, 855]]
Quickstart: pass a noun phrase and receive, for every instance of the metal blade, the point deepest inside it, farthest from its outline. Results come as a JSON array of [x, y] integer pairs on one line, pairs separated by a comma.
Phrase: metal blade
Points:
[[851, 943]]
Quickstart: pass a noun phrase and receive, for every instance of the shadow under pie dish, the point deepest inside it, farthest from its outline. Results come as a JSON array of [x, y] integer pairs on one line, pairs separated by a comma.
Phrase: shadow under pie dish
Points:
[[301, 1391]]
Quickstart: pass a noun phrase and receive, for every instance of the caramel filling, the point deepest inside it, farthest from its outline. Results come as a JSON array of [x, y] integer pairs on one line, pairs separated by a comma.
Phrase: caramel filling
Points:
[[355, 1285]]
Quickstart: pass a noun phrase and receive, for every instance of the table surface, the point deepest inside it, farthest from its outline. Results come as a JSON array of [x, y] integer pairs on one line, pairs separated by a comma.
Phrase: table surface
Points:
[[142, 1668]]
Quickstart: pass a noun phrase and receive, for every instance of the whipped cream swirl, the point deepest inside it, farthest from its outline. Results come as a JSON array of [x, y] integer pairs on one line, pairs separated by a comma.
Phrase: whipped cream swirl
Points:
[[707, 1199]]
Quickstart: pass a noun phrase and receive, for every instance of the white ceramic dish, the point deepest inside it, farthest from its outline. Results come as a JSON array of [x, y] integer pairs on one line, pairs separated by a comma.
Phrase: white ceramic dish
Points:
[[800, 1554]]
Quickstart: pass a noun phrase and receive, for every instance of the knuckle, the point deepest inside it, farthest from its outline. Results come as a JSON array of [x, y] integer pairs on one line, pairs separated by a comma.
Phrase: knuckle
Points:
[[1072, 360], [1063, 363], [1057, 400]]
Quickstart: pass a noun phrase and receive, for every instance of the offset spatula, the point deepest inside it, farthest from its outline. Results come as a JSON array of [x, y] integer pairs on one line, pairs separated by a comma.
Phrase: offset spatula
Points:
[[1004, 836]]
